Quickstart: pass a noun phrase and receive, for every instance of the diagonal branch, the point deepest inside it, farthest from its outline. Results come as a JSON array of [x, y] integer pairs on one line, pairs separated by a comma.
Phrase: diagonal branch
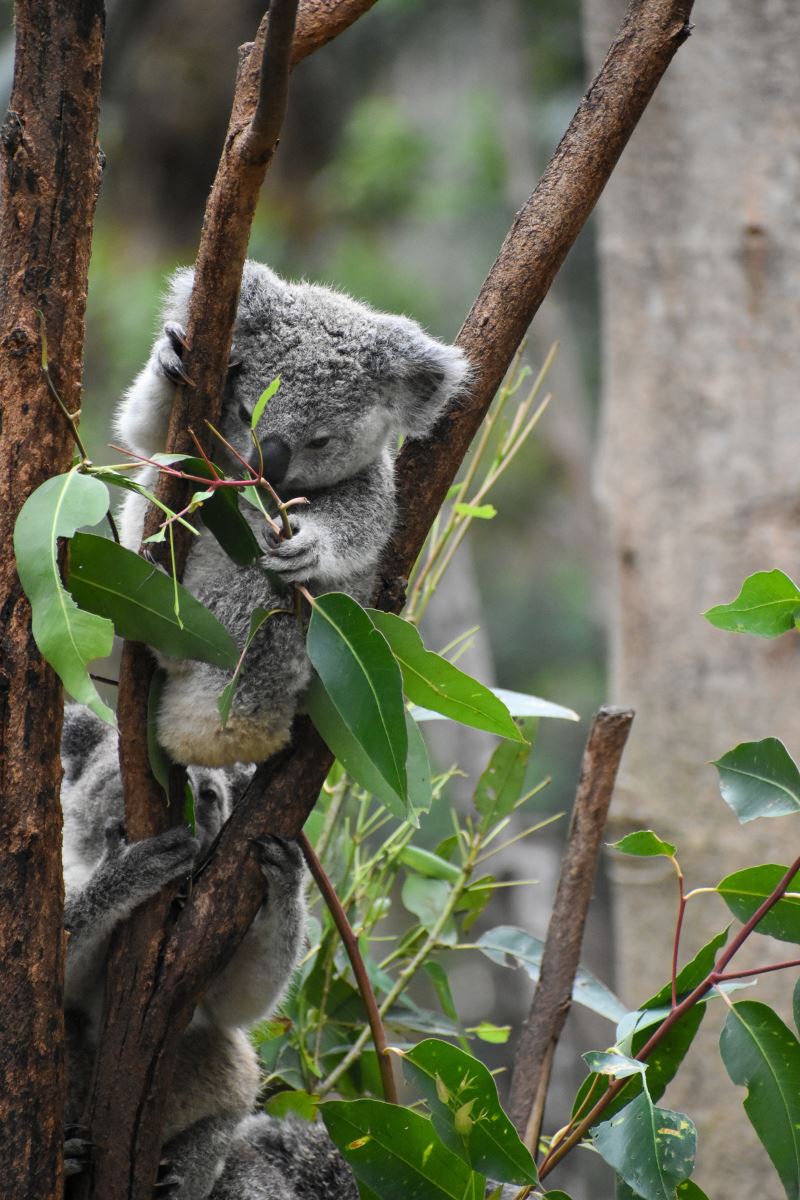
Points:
[[151, 1010], [261, 139]]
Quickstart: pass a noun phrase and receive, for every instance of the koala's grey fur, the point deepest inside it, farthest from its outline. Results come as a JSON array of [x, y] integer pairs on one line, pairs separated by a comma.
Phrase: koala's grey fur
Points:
[[217, 1076], [352, 377], [286, 1159]]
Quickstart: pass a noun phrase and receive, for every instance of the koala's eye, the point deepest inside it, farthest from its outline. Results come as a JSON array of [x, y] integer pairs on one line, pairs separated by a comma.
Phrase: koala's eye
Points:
[[244, 414], [317, 443], [209, 796]]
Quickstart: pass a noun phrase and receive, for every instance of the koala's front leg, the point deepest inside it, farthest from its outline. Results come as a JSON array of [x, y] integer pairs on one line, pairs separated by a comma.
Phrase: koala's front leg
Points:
[[254, 981], [126, 876]]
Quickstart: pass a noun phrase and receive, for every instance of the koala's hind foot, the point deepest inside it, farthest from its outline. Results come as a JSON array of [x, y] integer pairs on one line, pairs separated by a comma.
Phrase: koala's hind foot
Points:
[[281, 861], [149, 864]]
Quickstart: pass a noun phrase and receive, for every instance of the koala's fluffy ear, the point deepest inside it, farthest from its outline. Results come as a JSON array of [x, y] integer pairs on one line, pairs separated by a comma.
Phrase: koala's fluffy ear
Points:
[[424, 375], [81, 734]]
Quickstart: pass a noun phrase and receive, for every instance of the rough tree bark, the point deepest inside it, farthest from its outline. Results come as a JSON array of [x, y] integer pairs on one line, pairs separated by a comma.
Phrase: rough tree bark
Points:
[[700, 253], [152, 1002], [50, 178]]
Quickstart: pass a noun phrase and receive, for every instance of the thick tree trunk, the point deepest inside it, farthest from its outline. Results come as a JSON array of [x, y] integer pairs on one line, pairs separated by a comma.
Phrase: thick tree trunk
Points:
[[700, 253], [50, 178]]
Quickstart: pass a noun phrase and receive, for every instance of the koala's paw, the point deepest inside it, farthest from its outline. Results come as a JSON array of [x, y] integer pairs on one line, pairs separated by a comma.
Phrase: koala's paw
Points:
[[169, 353], [77, 1151], [157, 861], [168, 1182], [295, 559], [281, 861]]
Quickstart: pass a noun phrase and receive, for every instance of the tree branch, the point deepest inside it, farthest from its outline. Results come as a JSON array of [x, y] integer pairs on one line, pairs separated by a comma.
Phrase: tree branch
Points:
[[50, 164], [261, 138], [146, 1020], [560, 959]]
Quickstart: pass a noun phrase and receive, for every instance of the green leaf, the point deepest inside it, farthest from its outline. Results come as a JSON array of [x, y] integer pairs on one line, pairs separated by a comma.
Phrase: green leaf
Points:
[[129, 483], [483, 512], [500, 786], [139, 598], [425, 862], [222, 517], [495, 1035], [438, 977], [360, 767], [518, 704], [292, 1103], [68, 637], [507, 942], [433, 682], [359, 673], [688, 1190], [426, 898], [395, 1151], [257, 619], [651, 1148], [744, 891], [466, 1112], [262, 402], [759, 779], [609, 1062], [644, 844], [765, 606], [763, 1055]]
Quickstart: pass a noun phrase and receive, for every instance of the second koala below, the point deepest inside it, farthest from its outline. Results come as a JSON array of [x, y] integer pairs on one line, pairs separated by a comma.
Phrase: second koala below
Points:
[[217, 1075], [353, 381]]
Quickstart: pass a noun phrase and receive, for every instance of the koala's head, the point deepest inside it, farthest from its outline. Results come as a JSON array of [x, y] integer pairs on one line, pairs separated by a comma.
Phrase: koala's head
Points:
[[352, 379], [92, 788]]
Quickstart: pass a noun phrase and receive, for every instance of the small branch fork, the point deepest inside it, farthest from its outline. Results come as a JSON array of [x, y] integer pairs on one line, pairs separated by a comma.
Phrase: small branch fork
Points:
[[561, 956], [718, 974], [350, 943]]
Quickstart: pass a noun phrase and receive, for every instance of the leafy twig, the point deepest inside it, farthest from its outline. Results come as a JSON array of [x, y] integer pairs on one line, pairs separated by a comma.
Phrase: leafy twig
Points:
[[716, 975], [350, 943]]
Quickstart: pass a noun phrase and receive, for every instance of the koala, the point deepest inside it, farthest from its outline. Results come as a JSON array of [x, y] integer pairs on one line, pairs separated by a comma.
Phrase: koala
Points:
[[106, 878], [352, 382], [283, 1159]]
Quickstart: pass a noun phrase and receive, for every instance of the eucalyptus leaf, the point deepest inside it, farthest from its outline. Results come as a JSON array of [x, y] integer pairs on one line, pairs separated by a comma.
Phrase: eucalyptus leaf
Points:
[[519, 704], [763, 1055], [68, 636], [362, 678], [263, 401], [434, 683], [744, 891], [360, 767], [765, 606], [609, 1062], [507, 942], [651, 1148], [500, 786], [484, 512], [759, 779], [426, 898], [425, 862], [139, 598], [395, 1151], [644, 844], [462, 1096]]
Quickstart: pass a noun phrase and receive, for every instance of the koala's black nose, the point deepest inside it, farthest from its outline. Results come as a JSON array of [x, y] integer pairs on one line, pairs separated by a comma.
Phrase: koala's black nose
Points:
[[275, 454]]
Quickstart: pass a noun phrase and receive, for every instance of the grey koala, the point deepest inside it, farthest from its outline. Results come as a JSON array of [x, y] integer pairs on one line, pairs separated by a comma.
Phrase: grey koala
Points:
[[291, 1159], [217, 1076], [353, 381]]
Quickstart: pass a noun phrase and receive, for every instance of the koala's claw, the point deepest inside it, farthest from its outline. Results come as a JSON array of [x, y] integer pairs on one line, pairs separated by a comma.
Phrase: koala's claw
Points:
[[164, 858], [77, 1151], [280, 859], [169, 351], [167, 1182]]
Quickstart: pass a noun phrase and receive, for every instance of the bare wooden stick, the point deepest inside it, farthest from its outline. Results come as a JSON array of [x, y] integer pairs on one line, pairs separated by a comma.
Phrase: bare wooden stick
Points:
[[350, 943], [562, 948]]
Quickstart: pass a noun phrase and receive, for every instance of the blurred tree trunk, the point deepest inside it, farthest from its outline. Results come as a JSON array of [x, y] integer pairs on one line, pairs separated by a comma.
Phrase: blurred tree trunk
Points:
[[700, 254]]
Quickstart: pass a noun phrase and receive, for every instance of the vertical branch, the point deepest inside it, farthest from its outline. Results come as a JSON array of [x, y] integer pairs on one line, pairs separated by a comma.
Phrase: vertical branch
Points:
[[50, 178], [553, 995]]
